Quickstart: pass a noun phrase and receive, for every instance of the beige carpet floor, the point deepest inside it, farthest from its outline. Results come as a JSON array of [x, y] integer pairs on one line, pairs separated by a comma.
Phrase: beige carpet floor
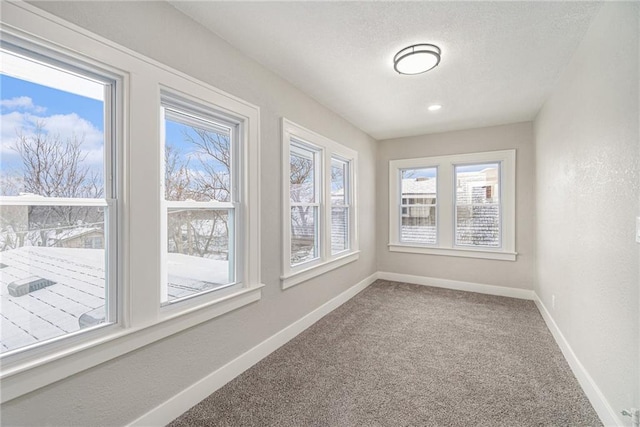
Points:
[[399, 354]]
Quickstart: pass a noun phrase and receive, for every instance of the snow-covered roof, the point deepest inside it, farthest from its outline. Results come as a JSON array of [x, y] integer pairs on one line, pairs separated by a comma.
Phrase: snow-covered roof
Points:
[[191, 274], [73, 233], [53, 311], [78, 274], [419, 186]]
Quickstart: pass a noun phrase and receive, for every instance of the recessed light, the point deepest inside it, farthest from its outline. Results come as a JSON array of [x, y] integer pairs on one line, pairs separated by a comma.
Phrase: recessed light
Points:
[[434, 107], [416, 59]]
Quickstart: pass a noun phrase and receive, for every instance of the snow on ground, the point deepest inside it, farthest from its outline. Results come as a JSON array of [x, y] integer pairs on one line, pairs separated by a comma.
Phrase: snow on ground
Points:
[[79, 288], [190, 274]]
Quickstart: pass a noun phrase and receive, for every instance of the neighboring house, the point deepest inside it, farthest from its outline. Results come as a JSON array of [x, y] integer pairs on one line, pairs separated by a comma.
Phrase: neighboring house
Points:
[[418, 210], [88, 238], [478, 207], [418, 191]]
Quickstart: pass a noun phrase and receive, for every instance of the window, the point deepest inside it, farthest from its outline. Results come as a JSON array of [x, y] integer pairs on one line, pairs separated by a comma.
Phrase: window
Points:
[[57, 197], [305, 199], [478, 218], [418, 206], [121, 223], [461, 205], [320, 218], [340, 205], [200, 198]]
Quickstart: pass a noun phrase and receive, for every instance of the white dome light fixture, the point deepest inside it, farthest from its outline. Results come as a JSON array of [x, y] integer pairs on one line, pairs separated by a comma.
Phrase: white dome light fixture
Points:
[[417, 59], [434, 107]]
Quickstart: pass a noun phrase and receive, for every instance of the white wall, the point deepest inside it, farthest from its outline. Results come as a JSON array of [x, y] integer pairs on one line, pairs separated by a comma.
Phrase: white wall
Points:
[[123, 389], [587, 182], [511, 274]]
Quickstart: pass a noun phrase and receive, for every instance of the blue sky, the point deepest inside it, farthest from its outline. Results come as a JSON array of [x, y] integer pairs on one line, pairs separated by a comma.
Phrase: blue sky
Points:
[[23, 104], [419, 173], [53, 100], [175, 137]]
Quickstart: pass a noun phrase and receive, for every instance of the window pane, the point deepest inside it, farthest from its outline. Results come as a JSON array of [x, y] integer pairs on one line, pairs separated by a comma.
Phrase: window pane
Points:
[[197, 159], [478, 225], [478, 205], [302, 176], [339, 174], [418, 225], [52, 130], [52, 144], [198, 257], [418, 206], [339, 229], [419, 185], [477, 184], [52, 272], [304, 234]]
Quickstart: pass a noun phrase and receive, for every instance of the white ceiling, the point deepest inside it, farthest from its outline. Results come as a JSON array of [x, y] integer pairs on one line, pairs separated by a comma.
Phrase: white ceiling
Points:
[[499, 59]]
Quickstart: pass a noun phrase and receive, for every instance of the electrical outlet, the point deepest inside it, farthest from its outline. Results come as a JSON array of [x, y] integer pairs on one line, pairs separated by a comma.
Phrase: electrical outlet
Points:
[[553, 302]]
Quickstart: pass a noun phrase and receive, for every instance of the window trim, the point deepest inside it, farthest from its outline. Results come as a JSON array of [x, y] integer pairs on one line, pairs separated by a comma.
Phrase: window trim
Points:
[[407, 206], [140, 318], [326, 149], [113, 168], [210, 115], [445, 226], [348, 200], [317, 156]]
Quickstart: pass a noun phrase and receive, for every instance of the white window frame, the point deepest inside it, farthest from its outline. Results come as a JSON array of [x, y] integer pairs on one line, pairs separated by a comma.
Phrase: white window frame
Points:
[[348, 201], [141, 318], [303, 149], [214, 117], [445, 205], [325, 149]]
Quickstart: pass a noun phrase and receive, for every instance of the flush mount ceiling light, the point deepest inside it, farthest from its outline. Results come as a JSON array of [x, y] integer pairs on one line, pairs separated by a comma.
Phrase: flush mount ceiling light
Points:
[[416, 59], [434, 107]]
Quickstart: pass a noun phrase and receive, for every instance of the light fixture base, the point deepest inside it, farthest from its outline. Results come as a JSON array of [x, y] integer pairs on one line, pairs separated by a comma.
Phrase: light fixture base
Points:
[[417, 59]]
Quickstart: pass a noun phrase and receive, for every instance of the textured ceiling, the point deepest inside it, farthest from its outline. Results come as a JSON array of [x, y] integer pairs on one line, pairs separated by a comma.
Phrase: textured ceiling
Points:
[[499, 59]]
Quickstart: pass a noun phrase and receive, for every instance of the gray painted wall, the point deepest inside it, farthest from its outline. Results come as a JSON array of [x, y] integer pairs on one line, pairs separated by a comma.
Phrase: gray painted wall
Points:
[[120, 390], [514, 274], [586, 156], [587, 182]]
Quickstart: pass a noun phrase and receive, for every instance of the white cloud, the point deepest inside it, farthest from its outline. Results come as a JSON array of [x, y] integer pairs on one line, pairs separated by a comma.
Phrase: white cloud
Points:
[[70, 126], [63, 126], [21, 103], [9, 125]]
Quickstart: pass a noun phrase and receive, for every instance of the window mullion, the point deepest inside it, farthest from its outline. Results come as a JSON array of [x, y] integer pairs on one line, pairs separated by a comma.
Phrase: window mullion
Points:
[[445, 206], [144, 239]]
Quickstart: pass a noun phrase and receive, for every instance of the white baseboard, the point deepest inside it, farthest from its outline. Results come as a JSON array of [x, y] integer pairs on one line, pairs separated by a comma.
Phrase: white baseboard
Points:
[[178, 404], [181, 402], [458, 285], [607, 414]]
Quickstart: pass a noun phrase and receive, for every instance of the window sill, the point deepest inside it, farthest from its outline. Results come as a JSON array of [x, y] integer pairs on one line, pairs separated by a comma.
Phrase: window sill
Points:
[[300, 276], [33, 373], [466, 253]]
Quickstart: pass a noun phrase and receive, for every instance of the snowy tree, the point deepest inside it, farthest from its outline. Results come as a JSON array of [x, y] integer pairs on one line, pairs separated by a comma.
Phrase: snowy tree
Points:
[[204, 175], [51, 167]]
